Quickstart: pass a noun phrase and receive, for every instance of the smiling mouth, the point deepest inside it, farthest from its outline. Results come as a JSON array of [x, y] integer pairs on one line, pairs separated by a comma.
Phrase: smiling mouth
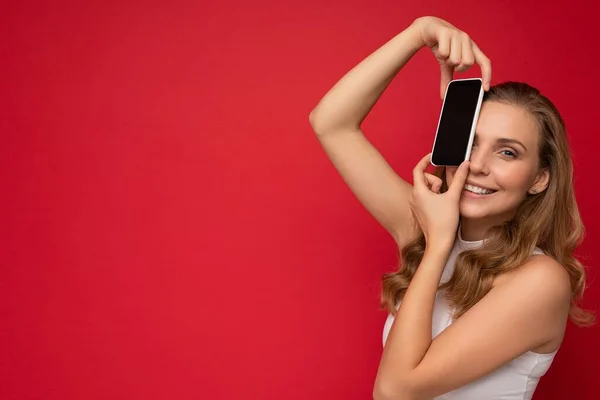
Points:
[[478, 190]]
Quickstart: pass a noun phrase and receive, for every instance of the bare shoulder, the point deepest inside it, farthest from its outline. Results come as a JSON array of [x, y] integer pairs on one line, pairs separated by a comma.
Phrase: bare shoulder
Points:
[[542, 272], [527, 311], [543, 285]]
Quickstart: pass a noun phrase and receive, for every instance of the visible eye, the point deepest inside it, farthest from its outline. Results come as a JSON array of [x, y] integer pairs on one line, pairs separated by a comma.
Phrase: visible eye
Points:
[[510, 153]]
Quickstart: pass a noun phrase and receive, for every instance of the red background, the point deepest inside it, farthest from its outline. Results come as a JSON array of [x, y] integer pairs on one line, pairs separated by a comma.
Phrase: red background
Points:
[[172, 229]]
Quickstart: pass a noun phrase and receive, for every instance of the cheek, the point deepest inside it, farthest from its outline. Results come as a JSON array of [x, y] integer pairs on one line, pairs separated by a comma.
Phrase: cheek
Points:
[[512, 179]]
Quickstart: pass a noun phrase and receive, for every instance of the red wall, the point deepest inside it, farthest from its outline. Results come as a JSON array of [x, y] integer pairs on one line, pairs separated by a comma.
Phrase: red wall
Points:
[[172, 229]]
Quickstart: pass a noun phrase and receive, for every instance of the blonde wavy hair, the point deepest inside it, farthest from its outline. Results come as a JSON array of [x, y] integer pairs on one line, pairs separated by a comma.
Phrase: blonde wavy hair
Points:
[[549, 220]]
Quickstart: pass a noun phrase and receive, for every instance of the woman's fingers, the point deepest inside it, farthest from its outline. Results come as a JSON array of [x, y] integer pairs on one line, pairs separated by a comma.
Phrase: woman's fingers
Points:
[[424, 180], [433, 182], [419, 174], [468, 58], [448, 58], [459, 180], [485, 64], [455, 50], [447, 74], [442, 49]]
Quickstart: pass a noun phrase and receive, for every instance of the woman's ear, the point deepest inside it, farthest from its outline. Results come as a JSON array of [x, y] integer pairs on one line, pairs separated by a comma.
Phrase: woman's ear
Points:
[[541, 182]]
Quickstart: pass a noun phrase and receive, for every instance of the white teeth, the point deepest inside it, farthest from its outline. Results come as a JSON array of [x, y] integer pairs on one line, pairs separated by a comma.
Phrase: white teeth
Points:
[[478, 190]]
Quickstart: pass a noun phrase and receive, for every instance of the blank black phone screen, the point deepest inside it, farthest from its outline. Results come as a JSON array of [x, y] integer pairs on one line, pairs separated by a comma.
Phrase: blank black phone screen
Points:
[[456, 122]]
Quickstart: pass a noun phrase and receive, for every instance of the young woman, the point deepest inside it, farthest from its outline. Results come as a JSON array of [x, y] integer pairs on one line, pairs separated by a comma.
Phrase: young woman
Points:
[[488, 279]]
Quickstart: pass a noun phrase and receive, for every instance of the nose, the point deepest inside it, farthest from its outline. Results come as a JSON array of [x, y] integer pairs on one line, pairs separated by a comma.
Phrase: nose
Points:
[[478, 162]]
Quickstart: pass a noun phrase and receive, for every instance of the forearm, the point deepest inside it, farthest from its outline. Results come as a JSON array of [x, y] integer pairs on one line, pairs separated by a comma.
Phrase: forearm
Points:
[[410, 337], [355, 94]]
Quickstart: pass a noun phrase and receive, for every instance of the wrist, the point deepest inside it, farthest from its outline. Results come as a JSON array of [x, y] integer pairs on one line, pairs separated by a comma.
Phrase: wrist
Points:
[[439, 244], [413, 31], [436, 255]]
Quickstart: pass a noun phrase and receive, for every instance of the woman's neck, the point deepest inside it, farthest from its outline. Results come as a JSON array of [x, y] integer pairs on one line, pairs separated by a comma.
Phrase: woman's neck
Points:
[[473, 230]]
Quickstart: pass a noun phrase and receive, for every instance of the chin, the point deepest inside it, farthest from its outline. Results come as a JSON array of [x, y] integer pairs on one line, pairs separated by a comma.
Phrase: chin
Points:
[[478, 208], [470, 212], [471, 208]]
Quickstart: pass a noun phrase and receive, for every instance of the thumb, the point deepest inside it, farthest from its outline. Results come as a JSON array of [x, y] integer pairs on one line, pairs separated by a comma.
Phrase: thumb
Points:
[[447, 74], [460, 177]]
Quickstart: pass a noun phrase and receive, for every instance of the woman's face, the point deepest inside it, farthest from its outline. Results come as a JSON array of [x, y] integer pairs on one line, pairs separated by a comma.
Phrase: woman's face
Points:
[[504, 163]]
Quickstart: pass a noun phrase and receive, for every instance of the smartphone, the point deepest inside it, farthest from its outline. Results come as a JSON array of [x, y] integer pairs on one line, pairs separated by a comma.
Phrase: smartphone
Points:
[[457, 123]]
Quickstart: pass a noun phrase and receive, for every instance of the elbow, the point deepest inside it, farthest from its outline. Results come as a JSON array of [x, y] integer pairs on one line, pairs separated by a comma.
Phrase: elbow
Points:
[[315, 122], [379, 393], [322, 124], [393, 391], [312, 119]]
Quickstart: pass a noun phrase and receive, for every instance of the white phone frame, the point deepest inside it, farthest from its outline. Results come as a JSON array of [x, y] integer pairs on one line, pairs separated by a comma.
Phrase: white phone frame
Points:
[[473, 125]]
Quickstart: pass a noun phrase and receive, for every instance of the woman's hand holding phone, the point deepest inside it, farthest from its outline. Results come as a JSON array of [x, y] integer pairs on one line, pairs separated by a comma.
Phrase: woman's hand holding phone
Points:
[[453, 49], [437, 214]]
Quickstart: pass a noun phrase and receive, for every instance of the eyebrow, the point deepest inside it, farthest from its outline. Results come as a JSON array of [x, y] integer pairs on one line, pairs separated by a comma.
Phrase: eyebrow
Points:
[[508, 141], [514, 141]]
